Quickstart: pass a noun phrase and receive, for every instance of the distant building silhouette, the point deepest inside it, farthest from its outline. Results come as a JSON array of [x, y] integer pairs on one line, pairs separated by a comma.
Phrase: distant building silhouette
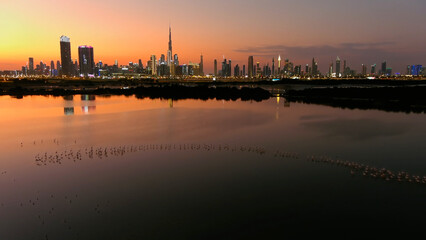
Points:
[[338, 67], [31, 66], [373, 69], [201, 66], [153, 65], [237, 71], [383, 70], [215, 68]]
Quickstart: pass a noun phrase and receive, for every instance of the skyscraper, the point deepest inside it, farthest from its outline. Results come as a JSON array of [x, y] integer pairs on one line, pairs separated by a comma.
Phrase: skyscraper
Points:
[[373, 69], [67, 65], [202, 66], [250, 66], [273, 66], [237, 71], [215, 67], [344, 68], [31, 65], [338, 67], [52, 68], [314, 67], [153, 65], [59, 67], [169, 51], [364, 70], [244, 70], [176, 60], [279, 64], [383, 71], [86, 60], [408, 72]]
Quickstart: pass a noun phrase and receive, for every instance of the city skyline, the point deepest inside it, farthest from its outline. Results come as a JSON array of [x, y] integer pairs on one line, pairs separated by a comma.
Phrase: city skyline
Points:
[[127, 36]]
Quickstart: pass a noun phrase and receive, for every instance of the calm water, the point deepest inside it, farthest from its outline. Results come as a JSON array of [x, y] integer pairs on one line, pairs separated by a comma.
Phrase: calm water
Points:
[[87, 167]]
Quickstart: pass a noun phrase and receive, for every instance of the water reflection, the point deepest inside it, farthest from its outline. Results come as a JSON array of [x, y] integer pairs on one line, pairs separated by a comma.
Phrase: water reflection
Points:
[[88, 97], [69, 111], [356, 129], [88, 109], [68, 98]]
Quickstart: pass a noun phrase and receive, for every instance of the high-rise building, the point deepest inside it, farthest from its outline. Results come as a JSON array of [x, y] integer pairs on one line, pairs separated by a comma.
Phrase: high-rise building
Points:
[[67, 65], [244, 70], [52, 68], [140, 66], [416, 70], [75, 68], [153, 65], [273, 66], [314, 67], [226, 68], [258, 69], [170, 51], [176, 60], [201, 66], [215, 67], [383, 70], [86, 60], [58, 67], [237, 71], [338, 67], [364, 70], [330, 69], [298, 70], [408, 71], [373, 69], [279, 64], [31, 65], [162, 59], [250, 67], [345, 71]]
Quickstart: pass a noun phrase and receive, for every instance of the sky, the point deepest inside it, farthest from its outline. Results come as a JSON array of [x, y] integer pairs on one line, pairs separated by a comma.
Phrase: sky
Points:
[[361, 32]]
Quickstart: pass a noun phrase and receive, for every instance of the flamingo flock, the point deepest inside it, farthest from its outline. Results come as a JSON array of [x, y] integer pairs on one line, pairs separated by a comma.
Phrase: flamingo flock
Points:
[[120, 151]]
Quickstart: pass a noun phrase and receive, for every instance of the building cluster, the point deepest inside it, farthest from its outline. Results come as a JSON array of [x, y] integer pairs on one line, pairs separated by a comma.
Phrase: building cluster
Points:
[[169, 66]]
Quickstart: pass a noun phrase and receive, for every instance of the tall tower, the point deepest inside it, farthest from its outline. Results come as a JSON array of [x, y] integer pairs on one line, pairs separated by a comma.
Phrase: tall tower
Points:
[[153, 65], [383, 71], [31, 65], [67, 65], [250, 66], [215, 67], [202, 66], [338, 67], [279, 64], [170, 51]]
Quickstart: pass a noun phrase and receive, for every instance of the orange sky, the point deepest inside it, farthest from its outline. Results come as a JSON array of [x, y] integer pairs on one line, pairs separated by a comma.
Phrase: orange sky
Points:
[[131, 29]]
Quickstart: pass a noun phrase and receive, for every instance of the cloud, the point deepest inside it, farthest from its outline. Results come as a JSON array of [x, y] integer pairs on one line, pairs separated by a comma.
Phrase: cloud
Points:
[[321, 50]]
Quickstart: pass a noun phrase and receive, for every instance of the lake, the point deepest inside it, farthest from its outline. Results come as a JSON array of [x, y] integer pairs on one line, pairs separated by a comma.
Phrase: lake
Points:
[[117, 167]]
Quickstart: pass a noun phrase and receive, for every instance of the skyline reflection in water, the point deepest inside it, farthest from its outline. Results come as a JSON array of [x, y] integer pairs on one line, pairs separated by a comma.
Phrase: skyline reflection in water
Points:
[[135, 167]]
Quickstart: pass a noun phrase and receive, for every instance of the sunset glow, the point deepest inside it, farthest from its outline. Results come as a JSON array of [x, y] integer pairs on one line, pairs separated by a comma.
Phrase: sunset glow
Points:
[[365, 32]]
